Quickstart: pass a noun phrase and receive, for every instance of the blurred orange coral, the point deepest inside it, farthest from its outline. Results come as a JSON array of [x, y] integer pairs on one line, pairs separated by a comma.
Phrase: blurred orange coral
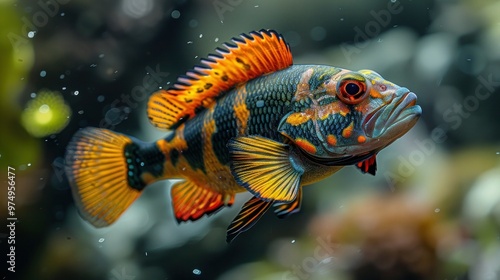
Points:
[[396, 237]]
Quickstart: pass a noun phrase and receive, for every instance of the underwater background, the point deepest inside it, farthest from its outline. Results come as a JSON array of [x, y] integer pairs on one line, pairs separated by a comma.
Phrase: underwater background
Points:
[[431, 212]]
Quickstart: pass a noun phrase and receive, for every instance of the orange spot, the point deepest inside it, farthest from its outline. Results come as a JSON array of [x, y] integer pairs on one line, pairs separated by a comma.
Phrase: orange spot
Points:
[[298, 118], [331, 139], [306, 145], [347, 132], [361, 139], [375, 94]]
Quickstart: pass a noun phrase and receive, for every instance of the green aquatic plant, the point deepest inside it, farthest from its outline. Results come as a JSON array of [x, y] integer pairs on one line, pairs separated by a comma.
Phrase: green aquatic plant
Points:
[[46, 114]]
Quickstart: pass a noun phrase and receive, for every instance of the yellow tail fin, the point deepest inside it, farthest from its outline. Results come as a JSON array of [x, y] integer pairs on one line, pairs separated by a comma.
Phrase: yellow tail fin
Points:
[[100, 174]]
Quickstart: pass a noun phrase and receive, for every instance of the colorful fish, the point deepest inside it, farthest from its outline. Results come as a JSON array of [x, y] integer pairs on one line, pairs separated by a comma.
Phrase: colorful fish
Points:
[[247, 119]]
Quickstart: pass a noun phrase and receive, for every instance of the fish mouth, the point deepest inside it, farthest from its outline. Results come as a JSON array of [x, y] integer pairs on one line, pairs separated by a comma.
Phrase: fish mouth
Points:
[[394, 119]]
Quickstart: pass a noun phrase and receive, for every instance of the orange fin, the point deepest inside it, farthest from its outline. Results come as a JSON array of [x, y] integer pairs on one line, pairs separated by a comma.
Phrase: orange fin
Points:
[[283, 210], [369, 165], [248, 57], [249, 214], [191, 202], [97, 171], [265, 168]]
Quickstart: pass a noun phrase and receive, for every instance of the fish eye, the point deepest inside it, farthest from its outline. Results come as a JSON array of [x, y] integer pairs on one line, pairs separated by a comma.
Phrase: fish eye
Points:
[[352, 90]]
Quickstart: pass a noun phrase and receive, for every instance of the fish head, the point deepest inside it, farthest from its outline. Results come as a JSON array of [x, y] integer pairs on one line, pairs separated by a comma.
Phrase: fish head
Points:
[[350, 116]]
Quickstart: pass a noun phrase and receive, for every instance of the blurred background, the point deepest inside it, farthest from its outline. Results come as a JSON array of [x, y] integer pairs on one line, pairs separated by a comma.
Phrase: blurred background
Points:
[[431, 212]]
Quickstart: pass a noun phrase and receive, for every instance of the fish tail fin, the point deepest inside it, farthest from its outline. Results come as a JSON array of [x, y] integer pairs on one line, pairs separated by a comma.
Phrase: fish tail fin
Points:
[[107, 172]]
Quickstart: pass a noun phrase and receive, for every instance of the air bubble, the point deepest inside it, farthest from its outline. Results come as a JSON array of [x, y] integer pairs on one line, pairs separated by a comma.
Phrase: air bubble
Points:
[[196, 271], [31, 34], [101, 240], [175, 14], [43, 73]]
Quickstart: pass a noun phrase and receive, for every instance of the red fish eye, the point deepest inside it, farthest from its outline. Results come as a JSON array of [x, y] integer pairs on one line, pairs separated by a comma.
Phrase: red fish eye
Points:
[[351, 91]]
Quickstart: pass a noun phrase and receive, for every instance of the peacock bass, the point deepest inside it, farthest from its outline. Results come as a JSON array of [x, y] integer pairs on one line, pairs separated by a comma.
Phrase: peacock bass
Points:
[[247, 119]]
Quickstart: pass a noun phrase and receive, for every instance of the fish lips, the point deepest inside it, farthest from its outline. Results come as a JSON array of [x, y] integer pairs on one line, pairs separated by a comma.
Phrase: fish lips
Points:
[[393, 119]]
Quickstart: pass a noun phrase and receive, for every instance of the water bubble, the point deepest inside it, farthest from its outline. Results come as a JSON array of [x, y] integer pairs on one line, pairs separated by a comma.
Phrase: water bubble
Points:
[[437, 210], [146, 253], [216, 40], [44, 109], [100, 98], [175, 14], [29, 164], [318, 33], [101, 55], [201, 35], [498, 153], [93, 65], [293, 241], [189, 42], [62, 14], [63, 88], [193, 23], [31, 34], [76, 92], [43, 73], [196, 271], [33, 95], [101, 240], [61, 76], [80, 112]]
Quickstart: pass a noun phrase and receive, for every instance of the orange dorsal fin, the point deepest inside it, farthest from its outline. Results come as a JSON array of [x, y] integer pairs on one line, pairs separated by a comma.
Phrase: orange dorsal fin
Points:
[[247, 57]]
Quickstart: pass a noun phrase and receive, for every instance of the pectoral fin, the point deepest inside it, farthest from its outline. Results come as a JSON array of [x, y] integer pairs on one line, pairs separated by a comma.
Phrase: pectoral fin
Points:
[[368, 165], [249, 214], [265, 168]]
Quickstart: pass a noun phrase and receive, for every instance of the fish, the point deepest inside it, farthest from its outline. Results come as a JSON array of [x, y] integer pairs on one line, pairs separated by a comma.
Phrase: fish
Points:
[[247, 119]]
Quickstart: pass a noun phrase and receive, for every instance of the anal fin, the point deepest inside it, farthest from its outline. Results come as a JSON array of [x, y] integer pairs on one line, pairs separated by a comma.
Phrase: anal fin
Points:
[[191, 202]]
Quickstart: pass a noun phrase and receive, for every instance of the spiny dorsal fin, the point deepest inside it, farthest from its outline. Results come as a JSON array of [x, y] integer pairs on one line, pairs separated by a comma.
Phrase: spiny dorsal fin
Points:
[[248, 57]]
